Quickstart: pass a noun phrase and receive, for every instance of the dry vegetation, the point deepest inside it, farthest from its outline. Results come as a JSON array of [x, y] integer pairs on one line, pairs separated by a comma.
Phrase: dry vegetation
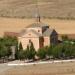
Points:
[[46, 69], [16, 25], [26, 8]]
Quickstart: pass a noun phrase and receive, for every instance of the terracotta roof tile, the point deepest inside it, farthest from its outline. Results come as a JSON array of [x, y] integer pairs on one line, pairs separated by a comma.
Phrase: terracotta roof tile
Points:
[[12, 34]]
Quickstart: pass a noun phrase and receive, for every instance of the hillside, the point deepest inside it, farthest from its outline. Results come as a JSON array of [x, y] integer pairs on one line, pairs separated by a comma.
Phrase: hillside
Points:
[[16, 25], [47, 8]]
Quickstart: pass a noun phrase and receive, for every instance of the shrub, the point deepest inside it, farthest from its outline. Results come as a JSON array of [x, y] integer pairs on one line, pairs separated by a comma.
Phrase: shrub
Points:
[[30, 52], [57, 51], [41, 53], [21, 55]]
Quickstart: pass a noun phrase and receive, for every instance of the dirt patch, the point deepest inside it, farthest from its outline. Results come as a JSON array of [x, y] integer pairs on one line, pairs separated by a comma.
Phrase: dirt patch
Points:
[[44, 69]]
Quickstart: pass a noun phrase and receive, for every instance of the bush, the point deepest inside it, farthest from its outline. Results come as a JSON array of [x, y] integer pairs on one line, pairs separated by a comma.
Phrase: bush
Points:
[[69, 51], [21, 55], [57, 51], [49, 50], [41, 53], [30, 52]]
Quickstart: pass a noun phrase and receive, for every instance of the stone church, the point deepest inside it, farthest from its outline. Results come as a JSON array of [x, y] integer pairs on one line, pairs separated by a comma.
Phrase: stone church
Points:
[[39, 34]]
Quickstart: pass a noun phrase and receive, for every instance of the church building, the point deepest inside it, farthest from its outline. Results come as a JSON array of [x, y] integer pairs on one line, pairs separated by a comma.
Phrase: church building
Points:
[[39, 34]]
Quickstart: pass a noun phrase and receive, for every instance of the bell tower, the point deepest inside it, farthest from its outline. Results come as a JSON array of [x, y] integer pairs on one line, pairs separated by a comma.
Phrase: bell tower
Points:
[[38, 18], [37, 14]]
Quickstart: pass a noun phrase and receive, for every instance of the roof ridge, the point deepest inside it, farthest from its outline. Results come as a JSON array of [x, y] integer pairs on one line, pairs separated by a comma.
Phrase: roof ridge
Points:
[[37, 24]]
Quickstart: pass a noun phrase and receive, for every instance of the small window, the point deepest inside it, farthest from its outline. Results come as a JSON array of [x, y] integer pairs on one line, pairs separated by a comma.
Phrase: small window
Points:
[[38, 30], [29, 34]]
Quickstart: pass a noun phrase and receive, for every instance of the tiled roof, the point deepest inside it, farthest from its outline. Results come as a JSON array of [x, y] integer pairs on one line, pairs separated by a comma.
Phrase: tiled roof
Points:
[[12, 34], [48, 32]]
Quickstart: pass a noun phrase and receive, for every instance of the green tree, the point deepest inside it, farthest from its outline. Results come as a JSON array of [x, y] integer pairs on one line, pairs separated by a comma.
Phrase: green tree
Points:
[[65, 38], [5, 46], [27, 53], [20, 46], [10, 41], [16, 52], [30, 51], [73, 51], [57, 51], [3, 52], [21, 55], [69, 50], [41, 53], [49, 50], [9, 51]]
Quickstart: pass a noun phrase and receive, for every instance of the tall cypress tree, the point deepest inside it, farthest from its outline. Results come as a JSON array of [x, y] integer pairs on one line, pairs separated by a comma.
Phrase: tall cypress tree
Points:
[[20, 46], [30, 51]]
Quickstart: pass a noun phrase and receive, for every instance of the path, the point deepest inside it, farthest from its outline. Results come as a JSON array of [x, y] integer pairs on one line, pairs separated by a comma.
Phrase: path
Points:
[[21, 63]]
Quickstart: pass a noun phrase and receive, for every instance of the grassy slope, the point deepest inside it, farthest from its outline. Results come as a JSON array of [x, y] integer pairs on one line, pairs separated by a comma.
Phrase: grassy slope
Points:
[[48, 8]]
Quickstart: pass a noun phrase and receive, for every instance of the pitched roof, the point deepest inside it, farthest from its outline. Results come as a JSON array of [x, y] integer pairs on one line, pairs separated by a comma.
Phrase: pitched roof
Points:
[[37, 24], [12, 34], [48, 32]]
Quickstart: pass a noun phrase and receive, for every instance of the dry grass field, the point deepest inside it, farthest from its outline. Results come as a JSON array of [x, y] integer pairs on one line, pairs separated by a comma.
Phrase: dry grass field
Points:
[[20, 10], [26, 8], [43, 69], [16, 25]]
